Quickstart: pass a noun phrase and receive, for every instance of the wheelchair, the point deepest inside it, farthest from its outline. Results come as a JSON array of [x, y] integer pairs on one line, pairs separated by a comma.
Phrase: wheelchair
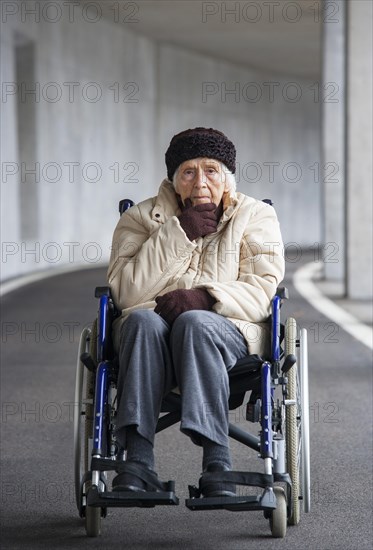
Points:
[[278, 407]]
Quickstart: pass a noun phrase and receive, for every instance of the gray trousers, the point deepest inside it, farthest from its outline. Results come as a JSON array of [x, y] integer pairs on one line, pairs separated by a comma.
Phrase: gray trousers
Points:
[[195, 354]]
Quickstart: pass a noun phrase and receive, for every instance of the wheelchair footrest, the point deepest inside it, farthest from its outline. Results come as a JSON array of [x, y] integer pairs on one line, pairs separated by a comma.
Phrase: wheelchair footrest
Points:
[[142, 499], [266, 501]]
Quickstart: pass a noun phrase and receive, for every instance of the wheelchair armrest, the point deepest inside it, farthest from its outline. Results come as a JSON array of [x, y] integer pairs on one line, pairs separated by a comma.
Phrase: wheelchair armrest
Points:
[[102, 291], [282, 293], [107, 313], [275, 323]]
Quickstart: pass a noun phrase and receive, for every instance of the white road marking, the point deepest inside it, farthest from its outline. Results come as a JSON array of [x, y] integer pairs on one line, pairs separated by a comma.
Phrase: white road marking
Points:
[[308, 290]]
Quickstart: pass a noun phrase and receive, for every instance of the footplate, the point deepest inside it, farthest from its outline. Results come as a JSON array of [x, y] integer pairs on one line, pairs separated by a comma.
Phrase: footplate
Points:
[[266, 501], [124, 499]]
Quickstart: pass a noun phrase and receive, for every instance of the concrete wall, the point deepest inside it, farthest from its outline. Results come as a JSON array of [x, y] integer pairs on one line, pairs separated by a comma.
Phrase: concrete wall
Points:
[[105, 137]]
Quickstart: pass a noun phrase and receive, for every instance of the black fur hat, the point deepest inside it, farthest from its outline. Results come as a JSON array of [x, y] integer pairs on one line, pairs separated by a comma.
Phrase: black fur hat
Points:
[[200, 142]]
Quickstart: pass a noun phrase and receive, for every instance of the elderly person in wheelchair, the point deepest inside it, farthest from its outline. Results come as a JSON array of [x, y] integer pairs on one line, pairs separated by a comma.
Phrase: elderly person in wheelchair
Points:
[[193, 270]]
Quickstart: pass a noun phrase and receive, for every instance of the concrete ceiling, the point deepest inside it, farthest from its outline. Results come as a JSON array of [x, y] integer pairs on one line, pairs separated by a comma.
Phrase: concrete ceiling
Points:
[[279, 36]]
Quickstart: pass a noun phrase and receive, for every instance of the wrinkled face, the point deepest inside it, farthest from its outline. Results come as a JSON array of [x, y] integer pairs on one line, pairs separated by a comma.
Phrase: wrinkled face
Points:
[[202, 180]]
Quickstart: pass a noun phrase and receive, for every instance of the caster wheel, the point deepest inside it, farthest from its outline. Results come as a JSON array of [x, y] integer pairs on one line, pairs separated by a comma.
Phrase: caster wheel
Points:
[[93, 521], [278, 519]]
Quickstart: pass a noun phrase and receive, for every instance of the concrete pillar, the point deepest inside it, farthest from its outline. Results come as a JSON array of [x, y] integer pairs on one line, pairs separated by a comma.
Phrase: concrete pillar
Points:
[[9, 185], [332, 96], [359, 257]]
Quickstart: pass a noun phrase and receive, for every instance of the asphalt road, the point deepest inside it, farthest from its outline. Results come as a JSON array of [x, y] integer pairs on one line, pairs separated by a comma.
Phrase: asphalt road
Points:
[[41, 324]]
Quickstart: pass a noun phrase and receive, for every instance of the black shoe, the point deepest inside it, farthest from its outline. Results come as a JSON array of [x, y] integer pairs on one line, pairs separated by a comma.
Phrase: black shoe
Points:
[[217, 488], [135, 477], [128, 482]]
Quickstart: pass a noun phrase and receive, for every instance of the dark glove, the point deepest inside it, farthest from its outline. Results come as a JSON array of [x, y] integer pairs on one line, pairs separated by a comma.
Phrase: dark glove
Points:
[[173, 303], [199, 220]]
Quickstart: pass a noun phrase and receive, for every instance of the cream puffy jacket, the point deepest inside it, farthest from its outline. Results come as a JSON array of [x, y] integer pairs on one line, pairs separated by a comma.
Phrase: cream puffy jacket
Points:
[[240, 265]]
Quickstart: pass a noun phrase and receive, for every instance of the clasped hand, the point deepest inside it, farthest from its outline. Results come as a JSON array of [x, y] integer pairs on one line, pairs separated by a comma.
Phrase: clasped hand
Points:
[[172, 304], [200, 220]]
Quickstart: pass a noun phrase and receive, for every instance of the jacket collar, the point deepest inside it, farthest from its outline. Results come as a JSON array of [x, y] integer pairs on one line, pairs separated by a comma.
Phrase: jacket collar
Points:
[[166, 205]]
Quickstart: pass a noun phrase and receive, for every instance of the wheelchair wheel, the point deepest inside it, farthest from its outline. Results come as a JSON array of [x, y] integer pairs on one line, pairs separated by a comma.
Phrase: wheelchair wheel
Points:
[[305, 434], [297, 423], [293, 423], [80, 466], [83, 418], [278, 517]]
